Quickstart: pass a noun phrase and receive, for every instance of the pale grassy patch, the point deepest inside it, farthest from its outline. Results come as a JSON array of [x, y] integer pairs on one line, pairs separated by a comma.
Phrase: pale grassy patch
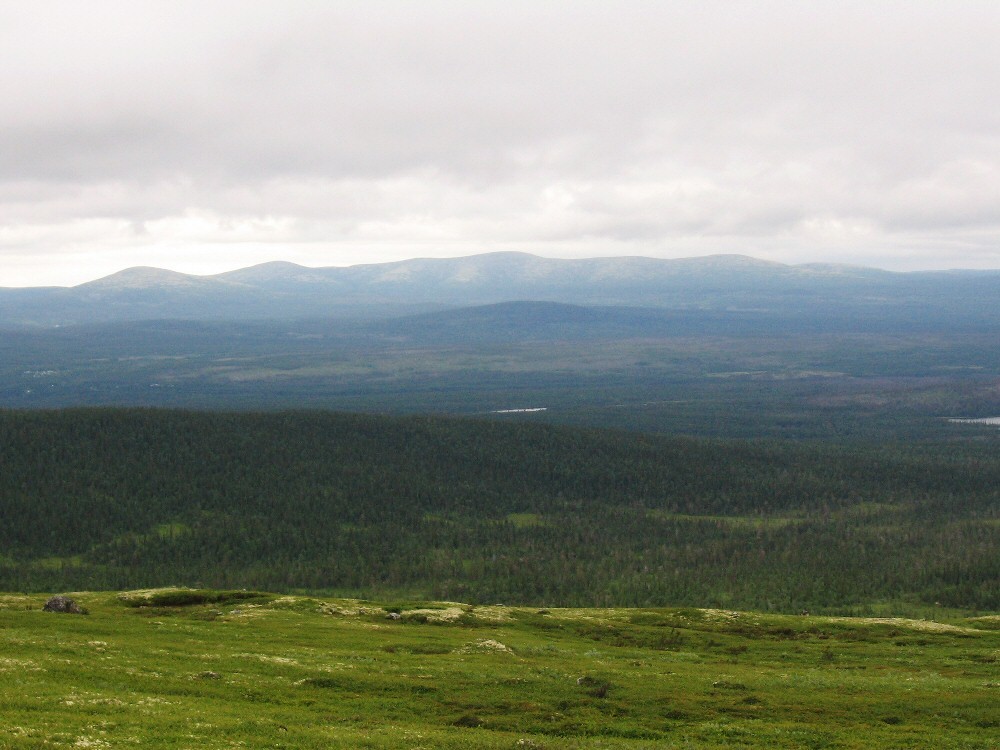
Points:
[[270, 659], [278, 659], [485, 645], [11, 664], [284, 601], [902, 622], [449, 614], [92, 699], [986, 618], [337, 667], [722, 615], [526, 520], [589, 614], [349, 608], [247, 610], [494, 613], [137, 672], [13, 601], [91, 742], [154, 700], [145, 596]]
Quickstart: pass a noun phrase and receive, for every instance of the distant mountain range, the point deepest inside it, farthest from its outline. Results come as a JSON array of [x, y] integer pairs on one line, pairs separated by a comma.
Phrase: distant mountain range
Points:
[[721, 283]]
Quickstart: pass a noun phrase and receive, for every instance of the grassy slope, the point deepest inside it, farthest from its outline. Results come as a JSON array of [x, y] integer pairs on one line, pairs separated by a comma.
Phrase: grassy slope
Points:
[[303, 673]]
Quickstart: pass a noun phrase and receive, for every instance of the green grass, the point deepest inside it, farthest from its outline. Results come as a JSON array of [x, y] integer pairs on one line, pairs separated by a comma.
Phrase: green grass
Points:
[[526, 520], [299, 672], [739, 522]]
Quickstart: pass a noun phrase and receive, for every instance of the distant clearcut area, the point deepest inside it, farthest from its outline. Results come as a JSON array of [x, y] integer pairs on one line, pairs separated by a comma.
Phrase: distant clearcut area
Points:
[[486, 511]]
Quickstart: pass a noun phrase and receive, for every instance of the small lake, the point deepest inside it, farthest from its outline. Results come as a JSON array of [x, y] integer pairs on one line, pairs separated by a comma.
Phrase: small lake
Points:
[[980, 420]]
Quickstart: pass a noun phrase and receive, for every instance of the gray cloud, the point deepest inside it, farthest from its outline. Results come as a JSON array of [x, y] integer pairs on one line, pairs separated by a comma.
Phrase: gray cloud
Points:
[[215, 134]]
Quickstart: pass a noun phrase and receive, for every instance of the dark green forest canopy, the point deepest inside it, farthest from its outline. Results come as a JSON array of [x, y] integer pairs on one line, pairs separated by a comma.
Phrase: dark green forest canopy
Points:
[[488, 511]]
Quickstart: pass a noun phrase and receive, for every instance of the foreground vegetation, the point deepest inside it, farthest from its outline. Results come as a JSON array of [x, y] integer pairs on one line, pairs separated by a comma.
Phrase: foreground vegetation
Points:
[[492, 512], [219, 670]]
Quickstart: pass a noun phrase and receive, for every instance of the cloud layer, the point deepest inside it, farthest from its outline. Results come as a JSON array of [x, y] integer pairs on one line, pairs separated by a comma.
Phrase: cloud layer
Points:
[[211, 135]]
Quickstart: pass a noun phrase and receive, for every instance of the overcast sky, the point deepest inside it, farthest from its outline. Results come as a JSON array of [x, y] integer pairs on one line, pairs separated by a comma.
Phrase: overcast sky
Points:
[[205, 136]]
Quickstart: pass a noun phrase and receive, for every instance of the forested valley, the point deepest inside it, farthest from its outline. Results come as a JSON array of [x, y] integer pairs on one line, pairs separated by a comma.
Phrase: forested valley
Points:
[[490, 511]]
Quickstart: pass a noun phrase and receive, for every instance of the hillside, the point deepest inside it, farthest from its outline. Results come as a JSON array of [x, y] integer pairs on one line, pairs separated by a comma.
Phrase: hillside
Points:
[[214, 669], [717, 283], [491, 511]]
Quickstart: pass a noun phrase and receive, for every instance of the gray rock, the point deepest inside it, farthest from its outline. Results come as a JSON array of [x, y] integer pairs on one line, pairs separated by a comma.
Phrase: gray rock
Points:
[[62, 604]]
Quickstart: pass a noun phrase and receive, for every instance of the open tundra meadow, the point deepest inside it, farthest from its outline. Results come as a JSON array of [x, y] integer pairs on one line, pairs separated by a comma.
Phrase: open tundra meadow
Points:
[[183, 668]]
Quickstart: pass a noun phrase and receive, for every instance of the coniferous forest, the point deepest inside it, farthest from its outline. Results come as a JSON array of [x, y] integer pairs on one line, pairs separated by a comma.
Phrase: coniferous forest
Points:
[[490, 511]]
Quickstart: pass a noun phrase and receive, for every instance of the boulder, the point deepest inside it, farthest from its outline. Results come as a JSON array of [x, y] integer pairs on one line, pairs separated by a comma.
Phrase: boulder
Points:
[[62, 604]]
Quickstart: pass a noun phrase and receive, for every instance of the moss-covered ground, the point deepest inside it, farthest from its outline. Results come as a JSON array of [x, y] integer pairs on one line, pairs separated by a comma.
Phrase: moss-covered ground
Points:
[[185, 669]]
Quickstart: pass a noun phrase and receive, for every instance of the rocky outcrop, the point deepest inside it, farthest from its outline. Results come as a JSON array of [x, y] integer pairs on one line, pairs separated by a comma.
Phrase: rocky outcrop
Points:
[[62, 604]]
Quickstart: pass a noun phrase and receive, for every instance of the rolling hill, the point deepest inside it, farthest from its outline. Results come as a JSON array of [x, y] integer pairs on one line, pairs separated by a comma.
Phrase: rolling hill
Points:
[[717, 283]]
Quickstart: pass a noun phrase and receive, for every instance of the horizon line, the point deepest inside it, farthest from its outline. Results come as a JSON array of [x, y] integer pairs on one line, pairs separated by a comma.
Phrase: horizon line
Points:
[[811, 264]]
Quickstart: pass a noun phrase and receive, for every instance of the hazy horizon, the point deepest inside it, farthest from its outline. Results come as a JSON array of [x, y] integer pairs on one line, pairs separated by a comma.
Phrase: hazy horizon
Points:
[[461, 257]]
